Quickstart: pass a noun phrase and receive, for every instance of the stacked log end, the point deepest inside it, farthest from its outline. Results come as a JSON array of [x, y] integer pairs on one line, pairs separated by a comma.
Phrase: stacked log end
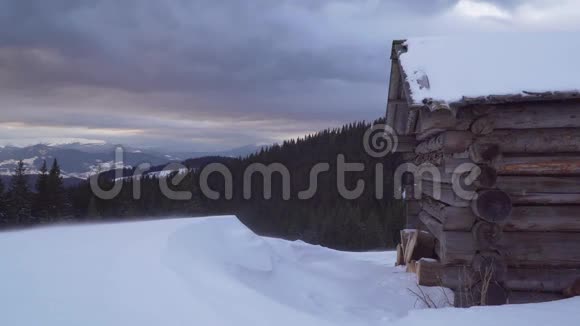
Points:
[[501, 198]]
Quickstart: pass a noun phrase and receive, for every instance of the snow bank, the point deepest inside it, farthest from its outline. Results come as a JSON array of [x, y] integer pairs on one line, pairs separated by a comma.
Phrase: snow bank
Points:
[[214, 271], [448, 68]]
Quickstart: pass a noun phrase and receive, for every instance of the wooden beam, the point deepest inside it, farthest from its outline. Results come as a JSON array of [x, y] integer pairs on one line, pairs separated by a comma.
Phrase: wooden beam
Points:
[[445, 193], [560, 140], [541, 190], [525, 297], [534, 184], [480, 176], [538, 165], [429, 272], [493, 206], [446, 142], [519, 249], [544, 219], [451, 218], [434, 226], [540, 279], [406, 144], [536, 116]]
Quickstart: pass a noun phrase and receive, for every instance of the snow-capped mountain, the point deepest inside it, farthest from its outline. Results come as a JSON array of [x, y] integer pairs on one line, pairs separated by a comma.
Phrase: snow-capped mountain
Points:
[[80, 161], [76, 161]]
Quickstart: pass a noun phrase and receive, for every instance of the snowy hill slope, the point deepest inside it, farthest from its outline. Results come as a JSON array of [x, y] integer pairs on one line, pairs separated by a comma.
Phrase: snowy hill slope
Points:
[[214, 271]]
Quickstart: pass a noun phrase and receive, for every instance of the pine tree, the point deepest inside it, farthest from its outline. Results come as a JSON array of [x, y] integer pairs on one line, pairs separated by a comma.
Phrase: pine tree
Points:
[[42, 198], [19, 197], [3, 205], [58, 201]]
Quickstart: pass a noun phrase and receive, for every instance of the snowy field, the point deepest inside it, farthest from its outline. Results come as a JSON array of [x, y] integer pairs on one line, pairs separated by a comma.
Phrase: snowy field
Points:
[[214, 271]]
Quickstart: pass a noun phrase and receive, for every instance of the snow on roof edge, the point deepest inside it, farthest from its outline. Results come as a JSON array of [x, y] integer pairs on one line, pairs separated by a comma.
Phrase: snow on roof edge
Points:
[[512, 68]]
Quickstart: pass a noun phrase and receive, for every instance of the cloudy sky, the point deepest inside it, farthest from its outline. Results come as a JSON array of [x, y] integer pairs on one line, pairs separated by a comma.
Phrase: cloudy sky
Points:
[[217, 74]]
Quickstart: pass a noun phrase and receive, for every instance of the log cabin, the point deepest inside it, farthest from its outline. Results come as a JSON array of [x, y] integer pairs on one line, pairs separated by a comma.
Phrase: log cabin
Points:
[[499, 119]]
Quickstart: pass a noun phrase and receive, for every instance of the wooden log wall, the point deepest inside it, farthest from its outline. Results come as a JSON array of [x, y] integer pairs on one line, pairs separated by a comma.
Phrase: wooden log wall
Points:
[[513, 227]]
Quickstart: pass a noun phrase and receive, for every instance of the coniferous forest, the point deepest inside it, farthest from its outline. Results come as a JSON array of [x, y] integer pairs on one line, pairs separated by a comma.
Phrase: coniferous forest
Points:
[[367, 222]]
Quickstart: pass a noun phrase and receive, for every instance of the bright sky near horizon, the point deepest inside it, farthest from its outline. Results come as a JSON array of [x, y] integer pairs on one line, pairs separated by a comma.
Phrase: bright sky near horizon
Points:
[[217, 74]]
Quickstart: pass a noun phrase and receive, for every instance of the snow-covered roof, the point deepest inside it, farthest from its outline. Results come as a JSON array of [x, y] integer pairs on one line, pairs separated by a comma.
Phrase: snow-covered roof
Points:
[[486, 67]]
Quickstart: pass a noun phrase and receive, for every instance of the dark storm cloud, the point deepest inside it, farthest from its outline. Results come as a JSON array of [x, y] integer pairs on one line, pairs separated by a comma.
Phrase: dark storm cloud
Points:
[[188, 45], [147, 64]]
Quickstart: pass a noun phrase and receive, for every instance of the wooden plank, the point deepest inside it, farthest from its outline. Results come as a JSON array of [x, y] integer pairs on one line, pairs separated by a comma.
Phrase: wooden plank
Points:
[[519, 249], [525, 297], [446, 142], [451, 218], [429, 272], [412, 267], [541, 279], [406, 144], [541, 190], [433, 225], [420, 244], [480, 176], [492, 205], [445, 193], [538, 184], [538, 165], [544, 218], [523, 218], [456, 248], [573, 290], [400, 256], [545, 199], [430, 123], [536, 116], [560, 140]]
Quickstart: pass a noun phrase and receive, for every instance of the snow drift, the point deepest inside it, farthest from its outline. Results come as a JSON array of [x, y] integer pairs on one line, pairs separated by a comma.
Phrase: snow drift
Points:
[[214, 271]]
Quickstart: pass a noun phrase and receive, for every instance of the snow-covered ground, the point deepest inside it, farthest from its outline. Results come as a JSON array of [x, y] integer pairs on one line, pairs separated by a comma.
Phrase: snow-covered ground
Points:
[[214, 271]]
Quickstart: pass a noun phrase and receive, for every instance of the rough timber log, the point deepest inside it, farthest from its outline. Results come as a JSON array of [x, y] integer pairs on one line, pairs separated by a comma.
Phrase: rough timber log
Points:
[[400, 256], [544, 219], [471, 297], [451, 218], [432, 224], [447, 162], [446, 194], [490, 265], [482, 294], [573, 290], [479, 176], [486, 235], [419, 244], [523, 297], [492, 205], [541, 279], [536, 116], [522, 218], [560, 140], [538, 165], [406, 144], [541, 190], [518, 249], [532, 184], [429, 272], [446, 142], [481, 120]]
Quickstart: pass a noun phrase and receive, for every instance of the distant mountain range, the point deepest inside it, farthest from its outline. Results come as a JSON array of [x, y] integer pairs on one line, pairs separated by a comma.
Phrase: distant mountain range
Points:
[[80, 161]]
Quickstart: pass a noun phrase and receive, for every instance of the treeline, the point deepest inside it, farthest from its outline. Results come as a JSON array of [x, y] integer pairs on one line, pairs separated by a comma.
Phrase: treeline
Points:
[[367, 222], [22, 206]]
